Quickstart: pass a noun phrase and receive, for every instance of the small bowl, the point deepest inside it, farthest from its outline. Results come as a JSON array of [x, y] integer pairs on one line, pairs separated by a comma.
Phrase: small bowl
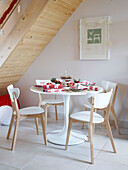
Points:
[[66, 88]]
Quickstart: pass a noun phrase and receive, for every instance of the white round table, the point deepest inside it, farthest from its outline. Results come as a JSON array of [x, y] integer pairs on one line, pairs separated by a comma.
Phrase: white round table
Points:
[[58, 137]]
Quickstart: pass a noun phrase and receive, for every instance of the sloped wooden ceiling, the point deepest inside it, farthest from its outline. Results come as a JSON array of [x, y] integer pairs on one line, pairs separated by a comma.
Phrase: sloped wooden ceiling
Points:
[[48, 23]]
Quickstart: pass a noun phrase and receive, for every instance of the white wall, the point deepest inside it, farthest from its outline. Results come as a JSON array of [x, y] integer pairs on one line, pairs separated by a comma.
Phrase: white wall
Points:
[[62, 54]]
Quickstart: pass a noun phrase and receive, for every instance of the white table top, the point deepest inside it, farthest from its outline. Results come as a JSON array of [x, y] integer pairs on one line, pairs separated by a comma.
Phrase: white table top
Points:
[[71, 93]]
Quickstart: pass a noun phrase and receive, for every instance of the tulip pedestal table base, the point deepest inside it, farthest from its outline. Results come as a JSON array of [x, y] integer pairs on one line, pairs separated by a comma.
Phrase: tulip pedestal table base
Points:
[[58, 137]]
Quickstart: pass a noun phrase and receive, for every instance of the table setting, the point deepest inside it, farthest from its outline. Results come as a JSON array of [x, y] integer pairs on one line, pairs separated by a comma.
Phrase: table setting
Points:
[[68, 85]]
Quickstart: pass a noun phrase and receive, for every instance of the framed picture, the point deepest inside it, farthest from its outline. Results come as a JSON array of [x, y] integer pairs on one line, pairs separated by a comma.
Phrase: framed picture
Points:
[[94, 38]]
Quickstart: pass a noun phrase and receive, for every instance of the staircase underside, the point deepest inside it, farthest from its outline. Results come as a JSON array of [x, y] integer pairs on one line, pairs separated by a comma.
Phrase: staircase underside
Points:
[[47, 24]]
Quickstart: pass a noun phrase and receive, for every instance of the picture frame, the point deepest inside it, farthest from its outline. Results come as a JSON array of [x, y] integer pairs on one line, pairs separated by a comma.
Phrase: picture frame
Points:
[[94, 38]]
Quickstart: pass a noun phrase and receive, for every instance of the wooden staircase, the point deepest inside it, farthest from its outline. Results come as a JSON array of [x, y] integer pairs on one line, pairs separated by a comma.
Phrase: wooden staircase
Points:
[[39, 24]]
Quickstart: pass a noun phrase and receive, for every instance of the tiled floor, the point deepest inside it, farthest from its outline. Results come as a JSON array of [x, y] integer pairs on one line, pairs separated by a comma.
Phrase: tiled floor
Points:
[[31, 153]]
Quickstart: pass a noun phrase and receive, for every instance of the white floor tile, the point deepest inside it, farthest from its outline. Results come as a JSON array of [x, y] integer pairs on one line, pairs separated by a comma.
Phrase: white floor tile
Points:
[[31, 153], [107, 165], [121, 144], [53, 160], [3, 167]]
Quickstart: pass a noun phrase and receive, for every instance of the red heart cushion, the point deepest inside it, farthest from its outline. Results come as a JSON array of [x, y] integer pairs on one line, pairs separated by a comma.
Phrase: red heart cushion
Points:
[[5, 100]]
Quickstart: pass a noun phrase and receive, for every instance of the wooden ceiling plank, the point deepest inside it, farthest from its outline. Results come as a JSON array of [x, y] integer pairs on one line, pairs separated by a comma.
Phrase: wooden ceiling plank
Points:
[[21, 28]]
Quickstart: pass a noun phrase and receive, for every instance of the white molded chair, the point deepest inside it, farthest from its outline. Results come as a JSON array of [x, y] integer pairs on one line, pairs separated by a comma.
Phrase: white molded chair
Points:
[[101, 100], [10, 87], [21, 114], [107, 86], [36, 119], [48, 102]]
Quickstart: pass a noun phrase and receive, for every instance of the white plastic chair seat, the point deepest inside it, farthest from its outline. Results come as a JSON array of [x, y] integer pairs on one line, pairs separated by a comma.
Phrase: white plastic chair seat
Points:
[[85, 116], [30, 111], [52, 101]]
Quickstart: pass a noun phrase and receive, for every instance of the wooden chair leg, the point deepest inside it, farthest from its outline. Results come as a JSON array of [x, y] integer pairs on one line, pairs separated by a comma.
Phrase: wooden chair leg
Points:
[[104, 113], [45, 115], [115, 119], [15, 133], [93, 129], [88, 132], [110, 135], [36, 122], [95, 110], [91, 144], [56, 112], [10, 127], [43, 129], [68, 133], [82, 127]]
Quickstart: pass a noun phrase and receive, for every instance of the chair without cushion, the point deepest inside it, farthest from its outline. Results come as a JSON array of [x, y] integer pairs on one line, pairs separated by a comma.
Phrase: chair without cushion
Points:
[[101, 100], [107, 86], [48, 102], [23, 113]]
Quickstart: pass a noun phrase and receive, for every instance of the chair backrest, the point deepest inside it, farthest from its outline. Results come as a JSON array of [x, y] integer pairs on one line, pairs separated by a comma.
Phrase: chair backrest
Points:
[[14, 95], [107, 86], [42, 82], [11, 91], [101, 100], [10, 87]]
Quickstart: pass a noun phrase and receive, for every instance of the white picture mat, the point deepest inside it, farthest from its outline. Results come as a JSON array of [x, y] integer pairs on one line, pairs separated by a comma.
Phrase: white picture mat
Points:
[[97, 51]]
